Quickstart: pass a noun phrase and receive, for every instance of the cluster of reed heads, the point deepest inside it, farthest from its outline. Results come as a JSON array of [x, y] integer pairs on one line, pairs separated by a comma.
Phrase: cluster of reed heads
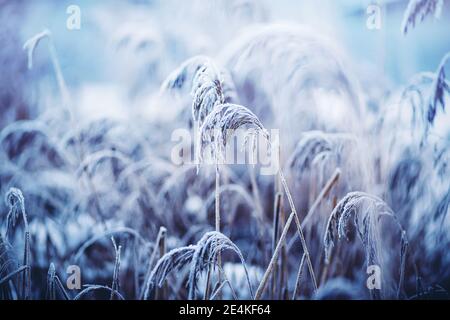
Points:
[[357, 187]]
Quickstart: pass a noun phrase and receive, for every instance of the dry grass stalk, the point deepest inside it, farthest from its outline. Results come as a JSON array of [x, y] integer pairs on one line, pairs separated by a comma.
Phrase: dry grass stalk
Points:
[[175, 259], [299, 228], [323, 194], [16, 202], [115, 286], [276, 219], [158, 244], [366, 211], [215, 131], [299, 277], [262, 284], [206, 254], [200, 256]]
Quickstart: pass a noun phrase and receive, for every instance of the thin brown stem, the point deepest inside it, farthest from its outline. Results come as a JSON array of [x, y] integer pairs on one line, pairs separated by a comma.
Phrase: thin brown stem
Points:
[[161, 234], [217, 202], [274, 258], [323, 193], [276, 219], [299, 277], [299, 228], [208, 284], [217, 227], [161, 293], [255, 191]]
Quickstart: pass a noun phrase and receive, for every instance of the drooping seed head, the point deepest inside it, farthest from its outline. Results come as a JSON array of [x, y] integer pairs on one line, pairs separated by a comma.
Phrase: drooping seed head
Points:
[[222, 123]]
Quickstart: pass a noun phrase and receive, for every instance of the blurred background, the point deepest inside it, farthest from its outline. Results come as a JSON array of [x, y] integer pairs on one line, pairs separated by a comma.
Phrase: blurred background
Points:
[[119, 47]]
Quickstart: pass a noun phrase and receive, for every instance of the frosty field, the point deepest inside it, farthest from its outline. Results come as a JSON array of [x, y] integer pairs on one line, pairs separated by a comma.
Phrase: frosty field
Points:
[[224, 149]]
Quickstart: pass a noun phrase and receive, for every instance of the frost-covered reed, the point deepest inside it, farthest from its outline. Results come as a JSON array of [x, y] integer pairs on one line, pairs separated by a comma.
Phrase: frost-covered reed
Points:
[[362, 213], [199, 257], [417, 10], [85, 156]]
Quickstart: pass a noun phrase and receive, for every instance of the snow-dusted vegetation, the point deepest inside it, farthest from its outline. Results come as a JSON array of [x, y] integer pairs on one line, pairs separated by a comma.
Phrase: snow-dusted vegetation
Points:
[[350, 99]]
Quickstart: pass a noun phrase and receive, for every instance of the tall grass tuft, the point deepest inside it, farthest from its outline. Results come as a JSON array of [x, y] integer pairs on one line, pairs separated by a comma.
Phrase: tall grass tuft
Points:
[[115, 286], [206, 253], [16, 202], [160, 240], [174, 259], [199, 257], [7, 271], [218, 127], [361, 213]]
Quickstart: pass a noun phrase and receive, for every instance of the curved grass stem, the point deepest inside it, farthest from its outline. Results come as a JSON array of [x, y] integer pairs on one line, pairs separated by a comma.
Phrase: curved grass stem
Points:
[[299, 228]]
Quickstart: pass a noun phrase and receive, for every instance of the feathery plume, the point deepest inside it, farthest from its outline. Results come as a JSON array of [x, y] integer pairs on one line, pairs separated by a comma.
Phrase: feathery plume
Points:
[[209, 86], [366, 211], [173, 260], [221, 124], [16, 202], [206, 252], [439, 87], [418, 10]]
